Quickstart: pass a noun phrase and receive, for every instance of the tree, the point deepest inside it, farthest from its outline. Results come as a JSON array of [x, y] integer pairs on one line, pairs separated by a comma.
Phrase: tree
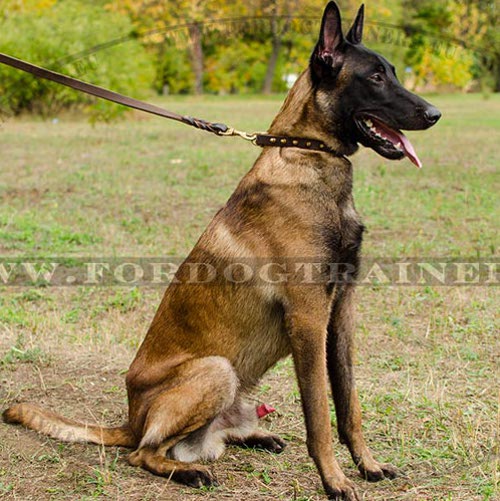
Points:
[[158, 15], [278, 31], [452, 41], [9, 7], [487, 49], [49, 38]]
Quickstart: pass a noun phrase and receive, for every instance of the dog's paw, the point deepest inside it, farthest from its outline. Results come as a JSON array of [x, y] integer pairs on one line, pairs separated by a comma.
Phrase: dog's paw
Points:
[[195, 477], [271, 443], [343, 492], [263, 441], [389, 470], [379, 472]]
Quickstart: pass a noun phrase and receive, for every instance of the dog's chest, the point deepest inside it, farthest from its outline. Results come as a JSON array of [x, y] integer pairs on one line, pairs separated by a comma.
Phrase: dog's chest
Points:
[[343, 233]]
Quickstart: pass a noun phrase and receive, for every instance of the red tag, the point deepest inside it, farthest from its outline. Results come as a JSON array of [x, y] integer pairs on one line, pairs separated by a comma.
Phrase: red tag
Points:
[[263, 410]]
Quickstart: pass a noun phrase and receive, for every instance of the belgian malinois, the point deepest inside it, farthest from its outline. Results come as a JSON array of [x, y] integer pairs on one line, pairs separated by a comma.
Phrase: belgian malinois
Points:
[[210, 343]]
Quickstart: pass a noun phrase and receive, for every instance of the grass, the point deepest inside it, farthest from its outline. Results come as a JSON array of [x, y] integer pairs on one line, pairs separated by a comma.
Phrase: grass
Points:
[[427, 357]]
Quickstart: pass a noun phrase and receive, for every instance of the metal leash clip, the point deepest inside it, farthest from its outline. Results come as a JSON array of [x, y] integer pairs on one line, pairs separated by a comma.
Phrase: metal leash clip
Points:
[[244, 135]]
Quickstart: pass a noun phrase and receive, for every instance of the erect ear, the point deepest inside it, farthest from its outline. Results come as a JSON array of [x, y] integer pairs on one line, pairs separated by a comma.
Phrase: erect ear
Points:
[[330, 36], [356, 32]]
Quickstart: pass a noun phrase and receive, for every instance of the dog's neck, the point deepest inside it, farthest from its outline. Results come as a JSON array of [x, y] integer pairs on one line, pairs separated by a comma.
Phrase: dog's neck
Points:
[[300, 116]]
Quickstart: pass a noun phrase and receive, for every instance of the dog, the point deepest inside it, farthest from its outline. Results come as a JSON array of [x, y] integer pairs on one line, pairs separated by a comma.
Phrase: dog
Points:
[[210, 343]]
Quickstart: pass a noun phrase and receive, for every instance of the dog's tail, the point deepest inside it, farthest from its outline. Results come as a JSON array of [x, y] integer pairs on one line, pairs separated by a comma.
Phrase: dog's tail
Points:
[[55, 426]]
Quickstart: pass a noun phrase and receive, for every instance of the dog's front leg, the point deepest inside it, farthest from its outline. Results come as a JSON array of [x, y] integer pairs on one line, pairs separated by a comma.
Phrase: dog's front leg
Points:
[[347, 407], [307, 326]]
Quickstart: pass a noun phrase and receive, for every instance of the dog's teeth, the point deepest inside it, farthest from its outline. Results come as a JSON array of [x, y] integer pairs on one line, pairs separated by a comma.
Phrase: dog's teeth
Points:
[[369, 123]]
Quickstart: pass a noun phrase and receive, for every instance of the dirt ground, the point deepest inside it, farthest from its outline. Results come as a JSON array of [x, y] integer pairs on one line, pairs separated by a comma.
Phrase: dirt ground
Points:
[[428, 405]]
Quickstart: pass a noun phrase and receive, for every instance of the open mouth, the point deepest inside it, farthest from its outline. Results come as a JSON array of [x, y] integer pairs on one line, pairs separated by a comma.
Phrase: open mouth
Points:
[[388, 142]]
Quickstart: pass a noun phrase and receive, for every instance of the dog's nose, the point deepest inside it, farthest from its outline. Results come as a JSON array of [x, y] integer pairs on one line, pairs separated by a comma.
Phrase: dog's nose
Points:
[[432, 115]]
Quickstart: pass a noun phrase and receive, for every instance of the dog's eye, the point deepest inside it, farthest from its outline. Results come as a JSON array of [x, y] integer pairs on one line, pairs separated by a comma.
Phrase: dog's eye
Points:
[[376, 77]]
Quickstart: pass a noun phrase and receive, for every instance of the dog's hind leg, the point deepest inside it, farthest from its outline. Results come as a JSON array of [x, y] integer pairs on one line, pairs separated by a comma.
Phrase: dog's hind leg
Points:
[[240, 426], [203, 389], [153, 459], [347, 407], [235, 426]]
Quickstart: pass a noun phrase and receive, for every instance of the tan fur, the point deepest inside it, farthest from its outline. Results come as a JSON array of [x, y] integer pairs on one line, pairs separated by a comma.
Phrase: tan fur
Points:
[[58, 427]]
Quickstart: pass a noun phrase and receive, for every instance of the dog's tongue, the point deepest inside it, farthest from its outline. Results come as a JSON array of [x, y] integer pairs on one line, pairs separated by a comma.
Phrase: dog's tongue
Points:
[[409, 149], [396, 136]]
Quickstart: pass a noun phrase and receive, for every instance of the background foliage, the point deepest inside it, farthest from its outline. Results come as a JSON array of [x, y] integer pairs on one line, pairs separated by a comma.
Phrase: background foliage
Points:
[[46, 32], [193, 46]]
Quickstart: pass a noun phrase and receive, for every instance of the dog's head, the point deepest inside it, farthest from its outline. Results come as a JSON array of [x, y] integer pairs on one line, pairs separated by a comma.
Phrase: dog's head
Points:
[[358, 91]]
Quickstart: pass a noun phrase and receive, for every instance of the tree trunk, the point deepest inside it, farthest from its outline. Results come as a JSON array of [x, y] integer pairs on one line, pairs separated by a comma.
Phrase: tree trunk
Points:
[[496, 74], [271, 65], [277, 40], [195, 35]]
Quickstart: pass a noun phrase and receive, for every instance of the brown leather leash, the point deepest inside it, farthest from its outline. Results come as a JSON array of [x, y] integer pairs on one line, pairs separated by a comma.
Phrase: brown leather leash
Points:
[[219, 129]]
